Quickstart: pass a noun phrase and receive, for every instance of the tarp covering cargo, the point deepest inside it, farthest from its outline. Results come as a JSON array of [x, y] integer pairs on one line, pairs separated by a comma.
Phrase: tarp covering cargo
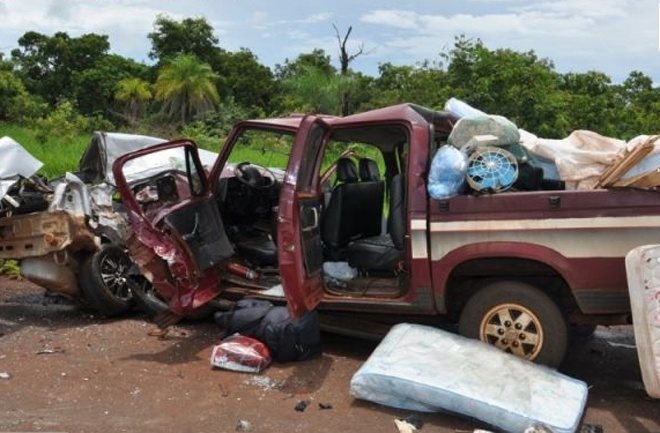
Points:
[[426, 369]]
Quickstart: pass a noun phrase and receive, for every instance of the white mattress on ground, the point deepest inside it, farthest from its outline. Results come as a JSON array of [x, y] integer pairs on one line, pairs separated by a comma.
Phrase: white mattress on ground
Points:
[[426, 369], [643, 269]]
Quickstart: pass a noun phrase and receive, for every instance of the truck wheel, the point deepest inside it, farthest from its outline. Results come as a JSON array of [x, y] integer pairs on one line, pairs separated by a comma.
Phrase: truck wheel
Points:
[[519, 319], [102, 279]]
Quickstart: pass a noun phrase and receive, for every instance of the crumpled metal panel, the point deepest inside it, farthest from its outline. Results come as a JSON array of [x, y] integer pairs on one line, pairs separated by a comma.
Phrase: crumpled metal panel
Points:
[[15, 162], [38, 234]]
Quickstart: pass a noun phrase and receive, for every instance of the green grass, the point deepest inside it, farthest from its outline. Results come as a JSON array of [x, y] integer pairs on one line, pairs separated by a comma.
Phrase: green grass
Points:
[[58, 156]]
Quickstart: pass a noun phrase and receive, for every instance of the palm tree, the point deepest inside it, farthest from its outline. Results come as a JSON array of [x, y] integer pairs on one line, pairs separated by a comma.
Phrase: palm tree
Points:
[[135, 92], [186, 86]]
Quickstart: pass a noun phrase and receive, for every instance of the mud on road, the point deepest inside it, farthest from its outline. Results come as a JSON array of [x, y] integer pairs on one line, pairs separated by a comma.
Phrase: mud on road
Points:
[[71, 370]]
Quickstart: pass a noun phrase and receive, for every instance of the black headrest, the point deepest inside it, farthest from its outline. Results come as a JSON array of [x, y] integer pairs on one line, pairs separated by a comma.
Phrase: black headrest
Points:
[[346, 171], [368, 170]]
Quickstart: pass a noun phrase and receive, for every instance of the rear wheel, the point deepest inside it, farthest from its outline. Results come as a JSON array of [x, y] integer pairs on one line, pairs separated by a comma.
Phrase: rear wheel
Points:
[[102, 279], [517, 318]]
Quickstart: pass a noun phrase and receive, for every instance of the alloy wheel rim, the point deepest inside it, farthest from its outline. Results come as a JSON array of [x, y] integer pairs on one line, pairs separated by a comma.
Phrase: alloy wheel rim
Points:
[[514, 329], [113, 271]]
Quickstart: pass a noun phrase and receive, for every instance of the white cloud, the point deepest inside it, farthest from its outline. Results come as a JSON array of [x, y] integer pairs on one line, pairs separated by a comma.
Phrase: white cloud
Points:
[[394, 18], [315, 18]]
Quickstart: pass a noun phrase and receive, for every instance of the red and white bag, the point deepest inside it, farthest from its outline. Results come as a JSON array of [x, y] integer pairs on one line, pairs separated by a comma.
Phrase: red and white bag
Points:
[[240, 353]]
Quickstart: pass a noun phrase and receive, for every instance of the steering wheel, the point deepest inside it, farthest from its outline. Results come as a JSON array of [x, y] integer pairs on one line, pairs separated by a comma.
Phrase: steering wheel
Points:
[[254, 175]]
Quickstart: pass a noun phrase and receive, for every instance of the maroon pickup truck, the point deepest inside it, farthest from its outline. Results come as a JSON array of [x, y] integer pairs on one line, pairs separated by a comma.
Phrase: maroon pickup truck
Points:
[[336, 216]]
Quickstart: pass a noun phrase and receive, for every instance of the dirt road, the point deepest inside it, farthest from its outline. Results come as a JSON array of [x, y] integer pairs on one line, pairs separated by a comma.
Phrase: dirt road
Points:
[[71, 370]]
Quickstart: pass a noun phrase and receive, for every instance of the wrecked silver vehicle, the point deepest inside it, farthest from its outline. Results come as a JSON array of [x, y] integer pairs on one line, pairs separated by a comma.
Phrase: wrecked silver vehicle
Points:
[[69, 234]]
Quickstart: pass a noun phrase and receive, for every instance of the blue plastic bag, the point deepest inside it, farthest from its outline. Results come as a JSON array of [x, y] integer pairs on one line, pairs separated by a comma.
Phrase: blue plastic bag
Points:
[[447, 174]]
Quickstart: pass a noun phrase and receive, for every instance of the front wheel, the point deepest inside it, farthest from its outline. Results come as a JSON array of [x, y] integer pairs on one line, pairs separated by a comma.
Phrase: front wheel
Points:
[[103, 277], [517, 318]]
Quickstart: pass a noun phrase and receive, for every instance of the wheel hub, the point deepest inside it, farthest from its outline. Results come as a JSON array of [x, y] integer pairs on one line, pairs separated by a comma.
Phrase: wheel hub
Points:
[[513, 329]]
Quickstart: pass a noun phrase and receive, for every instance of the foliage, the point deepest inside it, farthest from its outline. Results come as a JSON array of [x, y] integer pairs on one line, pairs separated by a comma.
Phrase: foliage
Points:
[[313, 90], [135, 93], [94, 88], [172, 38], [64, 123], [186, 87], [317, 60], [246, 81], [517, 85], [422, 84], [47, 63], [10, 267], [16, 104], [203, 136]]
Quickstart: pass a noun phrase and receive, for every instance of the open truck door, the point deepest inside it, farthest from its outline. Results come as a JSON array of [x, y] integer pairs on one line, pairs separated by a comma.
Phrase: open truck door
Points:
[[299, 247], [176, 236]]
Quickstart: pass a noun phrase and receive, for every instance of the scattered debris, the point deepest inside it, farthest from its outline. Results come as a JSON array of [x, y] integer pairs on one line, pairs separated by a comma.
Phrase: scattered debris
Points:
[[158, 332], [265, 383], [624, 345], [404, 427], [324, 406], [301, 406], [591, 428], [243, 425], [49, 351], [538, 428], [414, 421], [5, 375]]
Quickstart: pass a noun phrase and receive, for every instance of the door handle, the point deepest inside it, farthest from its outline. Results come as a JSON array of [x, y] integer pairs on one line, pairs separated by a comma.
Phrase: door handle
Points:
[[315, 219], [195, 231]]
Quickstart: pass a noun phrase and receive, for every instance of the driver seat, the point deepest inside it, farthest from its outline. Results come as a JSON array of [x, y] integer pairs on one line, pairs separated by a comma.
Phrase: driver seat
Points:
[[259, 250]]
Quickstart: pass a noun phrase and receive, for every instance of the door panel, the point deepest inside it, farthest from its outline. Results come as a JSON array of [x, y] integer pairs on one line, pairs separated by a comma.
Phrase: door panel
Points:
[[176, 233], [299, 236]]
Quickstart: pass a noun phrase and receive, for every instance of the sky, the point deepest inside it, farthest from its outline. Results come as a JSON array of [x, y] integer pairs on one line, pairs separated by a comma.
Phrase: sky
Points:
[[610, 36]]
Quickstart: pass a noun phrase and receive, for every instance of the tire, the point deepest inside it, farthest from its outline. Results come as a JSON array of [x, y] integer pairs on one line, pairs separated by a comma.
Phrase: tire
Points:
[[583, 332], [519, 319], [102, 280]]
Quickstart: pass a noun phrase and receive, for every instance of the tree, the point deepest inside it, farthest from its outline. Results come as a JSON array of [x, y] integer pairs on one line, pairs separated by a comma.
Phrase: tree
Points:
[[171, 38], [590, 102], [134, 93], [16, 104], [517, 85], [46, 64], [244, 80], [187, 87], [313, 90], [345, 60], [317, 60], [94, 87], [423, 84]]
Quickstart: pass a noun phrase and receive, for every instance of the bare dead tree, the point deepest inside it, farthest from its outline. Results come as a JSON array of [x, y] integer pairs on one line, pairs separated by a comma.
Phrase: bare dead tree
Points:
[[345, 59]]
